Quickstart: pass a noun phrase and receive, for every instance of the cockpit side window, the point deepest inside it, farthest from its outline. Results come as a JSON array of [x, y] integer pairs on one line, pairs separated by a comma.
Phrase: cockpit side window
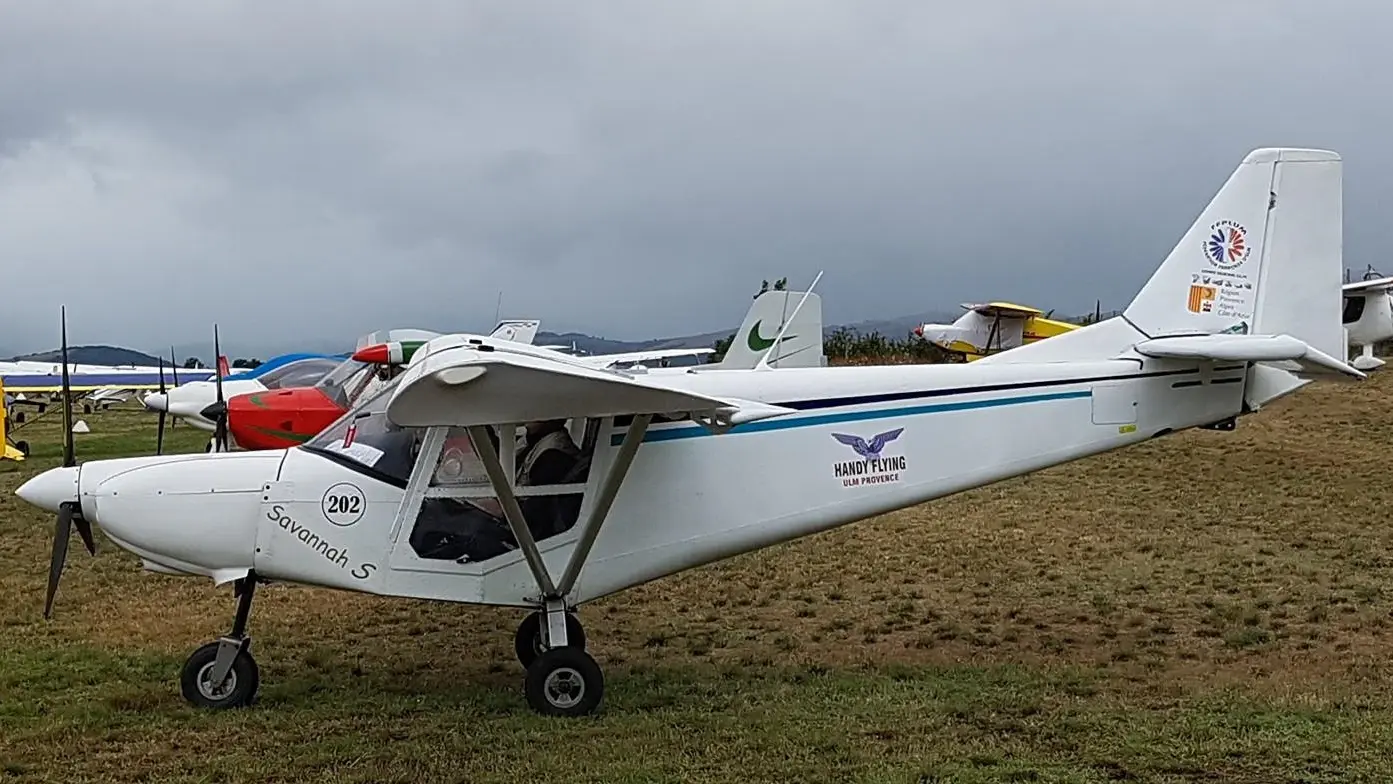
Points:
[[1354, 308], [549, 465]]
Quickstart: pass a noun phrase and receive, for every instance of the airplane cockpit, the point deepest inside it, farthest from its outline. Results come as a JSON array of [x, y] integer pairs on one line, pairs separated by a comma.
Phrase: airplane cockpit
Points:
[[346, 382], [453, 511], [300, 373]]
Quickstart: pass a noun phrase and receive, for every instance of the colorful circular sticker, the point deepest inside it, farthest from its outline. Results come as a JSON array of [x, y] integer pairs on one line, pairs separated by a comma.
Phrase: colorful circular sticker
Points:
[[343, 504]]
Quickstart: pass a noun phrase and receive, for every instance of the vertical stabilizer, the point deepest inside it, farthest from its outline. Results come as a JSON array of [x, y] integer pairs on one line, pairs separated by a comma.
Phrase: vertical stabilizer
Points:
[[801, 345], [516, 330], [1265, 256]]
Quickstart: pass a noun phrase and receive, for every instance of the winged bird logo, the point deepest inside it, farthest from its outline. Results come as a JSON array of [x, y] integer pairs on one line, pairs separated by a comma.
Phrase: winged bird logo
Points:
[[871, 450]]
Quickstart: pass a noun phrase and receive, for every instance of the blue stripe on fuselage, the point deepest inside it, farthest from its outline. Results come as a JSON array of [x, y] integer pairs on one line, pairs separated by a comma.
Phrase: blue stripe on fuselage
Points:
[[790, 422]]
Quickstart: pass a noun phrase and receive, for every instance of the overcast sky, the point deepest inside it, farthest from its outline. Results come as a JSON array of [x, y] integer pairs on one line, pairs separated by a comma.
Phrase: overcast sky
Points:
[[633, 169]]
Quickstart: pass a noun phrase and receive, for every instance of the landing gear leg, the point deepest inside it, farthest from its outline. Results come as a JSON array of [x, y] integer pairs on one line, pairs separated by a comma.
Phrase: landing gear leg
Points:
[[223, 674], [562, 679]]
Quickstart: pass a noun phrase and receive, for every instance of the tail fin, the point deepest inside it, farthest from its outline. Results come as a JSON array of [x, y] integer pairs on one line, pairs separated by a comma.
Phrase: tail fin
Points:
[[517, 330], [1265, 257], [223, 369], [801, 345], [1263, 260]]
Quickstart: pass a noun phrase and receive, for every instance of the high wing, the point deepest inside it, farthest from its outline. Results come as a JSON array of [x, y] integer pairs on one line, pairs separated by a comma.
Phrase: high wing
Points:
[[490, 384], [1377, 284], [1250, 348], [1005, 309]]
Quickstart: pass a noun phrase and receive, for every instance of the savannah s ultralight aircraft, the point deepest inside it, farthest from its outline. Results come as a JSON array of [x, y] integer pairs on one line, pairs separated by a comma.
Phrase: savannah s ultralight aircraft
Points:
[[651, 473]]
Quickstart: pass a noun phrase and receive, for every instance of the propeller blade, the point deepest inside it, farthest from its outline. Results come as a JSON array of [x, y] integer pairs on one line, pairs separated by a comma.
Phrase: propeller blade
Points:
[[84, 530], [159, 433], [61, 532], [220, 424], [69, 459]]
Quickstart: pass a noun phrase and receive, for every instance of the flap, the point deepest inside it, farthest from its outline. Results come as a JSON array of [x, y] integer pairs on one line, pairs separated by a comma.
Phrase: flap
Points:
[[1249, 348], [476, 385]]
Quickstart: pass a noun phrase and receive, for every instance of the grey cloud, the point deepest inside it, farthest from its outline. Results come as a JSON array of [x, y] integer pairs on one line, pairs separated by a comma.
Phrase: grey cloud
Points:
[[634, 168]]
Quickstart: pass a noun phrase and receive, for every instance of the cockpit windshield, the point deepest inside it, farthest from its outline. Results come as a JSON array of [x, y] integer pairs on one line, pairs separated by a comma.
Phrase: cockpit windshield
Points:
[[300, 373], [365, 438], [346, 382]]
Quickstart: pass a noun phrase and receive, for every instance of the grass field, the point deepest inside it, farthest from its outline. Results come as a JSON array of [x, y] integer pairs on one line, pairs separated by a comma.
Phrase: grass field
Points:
[[1208, 607]]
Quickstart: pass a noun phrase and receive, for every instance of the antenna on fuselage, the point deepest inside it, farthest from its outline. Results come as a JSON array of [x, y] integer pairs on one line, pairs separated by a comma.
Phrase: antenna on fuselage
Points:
[[763, 363]]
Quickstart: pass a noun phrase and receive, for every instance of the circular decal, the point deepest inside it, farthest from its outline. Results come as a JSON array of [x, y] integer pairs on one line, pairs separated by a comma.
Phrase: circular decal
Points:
[[1227, 245], [343, 504]]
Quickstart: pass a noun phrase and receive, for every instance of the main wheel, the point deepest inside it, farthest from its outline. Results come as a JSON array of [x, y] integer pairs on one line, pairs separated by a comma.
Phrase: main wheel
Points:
[[236, 691], [23, 447], [564, 682], [527, 643]]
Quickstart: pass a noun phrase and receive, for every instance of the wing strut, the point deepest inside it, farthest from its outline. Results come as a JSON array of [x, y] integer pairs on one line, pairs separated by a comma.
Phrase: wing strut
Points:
[[553, 593], [503, 486]]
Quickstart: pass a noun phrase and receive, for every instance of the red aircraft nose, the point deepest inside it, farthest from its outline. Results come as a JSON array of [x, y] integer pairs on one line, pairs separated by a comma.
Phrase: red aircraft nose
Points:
[[279, 418]]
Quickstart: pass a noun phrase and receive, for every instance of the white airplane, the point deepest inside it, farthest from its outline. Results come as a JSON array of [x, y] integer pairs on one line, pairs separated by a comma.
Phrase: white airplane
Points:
[[675, 470], [1368, 318], [991, 327]]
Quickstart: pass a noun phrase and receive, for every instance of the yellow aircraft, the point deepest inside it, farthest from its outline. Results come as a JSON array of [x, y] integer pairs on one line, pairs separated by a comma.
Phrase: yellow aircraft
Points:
[[991, 328], [17, 450]]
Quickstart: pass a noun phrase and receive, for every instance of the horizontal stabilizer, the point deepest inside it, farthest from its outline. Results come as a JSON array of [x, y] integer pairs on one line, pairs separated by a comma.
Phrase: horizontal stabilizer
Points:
[[472, 385], [1250, 348]]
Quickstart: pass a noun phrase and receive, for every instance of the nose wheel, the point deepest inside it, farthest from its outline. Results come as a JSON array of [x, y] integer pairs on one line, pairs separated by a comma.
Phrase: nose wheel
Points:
[[222, 674], [236, 689]]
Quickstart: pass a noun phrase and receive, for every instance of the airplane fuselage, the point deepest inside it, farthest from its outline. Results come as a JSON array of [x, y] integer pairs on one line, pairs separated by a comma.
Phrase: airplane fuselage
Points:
[[690, 497]]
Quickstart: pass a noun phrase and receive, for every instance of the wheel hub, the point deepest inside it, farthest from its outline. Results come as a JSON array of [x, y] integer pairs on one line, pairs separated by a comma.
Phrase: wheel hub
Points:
[[205, 682], [564, 687]]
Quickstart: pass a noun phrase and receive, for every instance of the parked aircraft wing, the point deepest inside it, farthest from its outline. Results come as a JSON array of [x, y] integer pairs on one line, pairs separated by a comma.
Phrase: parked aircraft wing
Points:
[[1005, 309], [606, 360], [475, 385], [1377, 284]]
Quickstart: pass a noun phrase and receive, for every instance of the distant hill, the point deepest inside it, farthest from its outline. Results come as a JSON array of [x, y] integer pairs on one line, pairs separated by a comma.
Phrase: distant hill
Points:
[[93, 355]]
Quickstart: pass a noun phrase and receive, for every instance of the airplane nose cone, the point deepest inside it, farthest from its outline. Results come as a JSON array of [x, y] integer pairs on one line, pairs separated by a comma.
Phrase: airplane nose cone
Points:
[[51, 488], [213, 410], [157, 401]]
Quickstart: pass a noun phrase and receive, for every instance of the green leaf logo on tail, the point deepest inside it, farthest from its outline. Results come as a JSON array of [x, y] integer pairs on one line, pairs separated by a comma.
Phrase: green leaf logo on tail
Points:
[[759, 343]]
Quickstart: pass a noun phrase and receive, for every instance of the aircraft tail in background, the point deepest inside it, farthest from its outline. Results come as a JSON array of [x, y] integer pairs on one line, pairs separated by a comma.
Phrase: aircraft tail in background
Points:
[[801, 345]]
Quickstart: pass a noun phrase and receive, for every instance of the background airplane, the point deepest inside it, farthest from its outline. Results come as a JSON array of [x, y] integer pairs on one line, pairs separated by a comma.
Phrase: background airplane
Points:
[[1368, 316], [992, 327], [188, 400], [290, 416]]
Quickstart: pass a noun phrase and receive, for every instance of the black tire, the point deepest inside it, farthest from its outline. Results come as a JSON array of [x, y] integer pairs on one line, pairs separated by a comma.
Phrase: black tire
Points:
[[564, 682], [242, 682], [527, 643], [23, 447]]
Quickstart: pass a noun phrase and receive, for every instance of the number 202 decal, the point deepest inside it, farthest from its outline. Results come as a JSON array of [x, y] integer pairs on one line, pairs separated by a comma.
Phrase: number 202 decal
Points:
[[343, 504]]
